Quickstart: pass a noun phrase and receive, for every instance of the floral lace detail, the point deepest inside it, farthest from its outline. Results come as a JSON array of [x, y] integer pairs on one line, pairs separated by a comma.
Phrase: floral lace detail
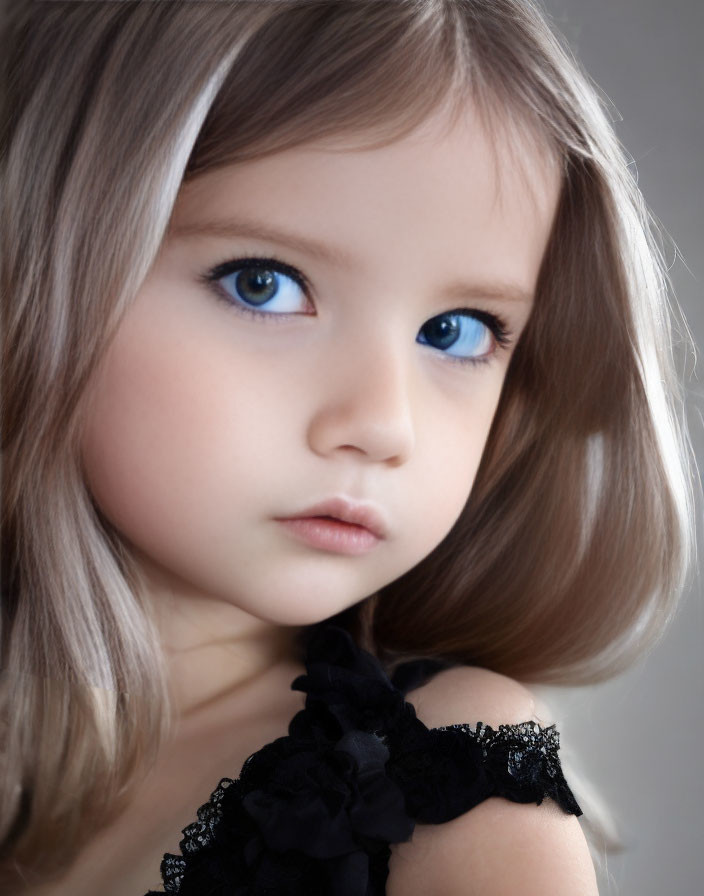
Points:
[[524, 762], [315, 812]]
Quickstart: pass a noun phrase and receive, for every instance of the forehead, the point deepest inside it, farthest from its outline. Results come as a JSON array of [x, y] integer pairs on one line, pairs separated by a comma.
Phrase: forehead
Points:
[[499, 146], [513, 156]]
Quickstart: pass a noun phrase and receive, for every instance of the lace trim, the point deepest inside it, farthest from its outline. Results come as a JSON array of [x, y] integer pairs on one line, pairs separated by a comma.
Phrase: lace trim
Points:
[[528, 753], [198, 835]]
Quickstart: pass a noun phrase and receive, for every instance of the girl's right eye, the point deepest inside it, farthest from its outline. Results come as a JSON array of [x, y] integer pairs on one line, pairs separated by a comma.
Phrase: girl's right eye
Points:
[[251, 284]]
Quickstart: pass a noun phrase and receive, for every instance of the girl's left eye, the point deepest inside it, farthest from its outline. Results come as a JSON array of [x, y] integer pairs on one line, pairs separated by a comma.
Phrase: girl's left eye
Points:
[[249, 284], [468, 336]]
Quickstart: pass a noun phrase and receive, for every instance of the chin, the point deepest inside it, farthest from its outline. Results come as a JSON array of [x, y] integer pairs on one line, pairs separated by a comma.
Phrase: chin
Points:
[[302, 606]]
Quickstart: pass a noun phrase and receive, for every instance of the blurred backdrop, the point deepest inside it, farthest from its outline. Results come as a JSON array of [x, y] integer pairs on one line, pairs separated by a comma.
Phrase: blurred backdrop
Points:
[[639, 738]]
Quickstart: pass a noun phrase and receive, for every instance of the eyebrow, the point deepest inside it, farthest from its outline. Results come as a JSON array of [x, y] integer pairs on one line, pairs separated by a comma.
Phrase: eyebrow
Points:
[[239, 227]]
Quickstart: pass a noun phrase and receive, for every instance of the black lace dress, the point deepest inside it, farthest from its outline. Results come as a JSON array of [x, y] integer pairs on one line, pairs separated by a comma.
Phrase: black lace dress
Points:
[[314, 813]]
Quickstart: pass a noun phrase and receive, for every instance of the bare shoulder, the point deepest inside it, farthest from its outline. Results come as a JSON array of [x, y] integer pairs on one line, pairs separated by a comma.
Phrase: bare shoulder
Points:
[[472, 694], [499, 848]]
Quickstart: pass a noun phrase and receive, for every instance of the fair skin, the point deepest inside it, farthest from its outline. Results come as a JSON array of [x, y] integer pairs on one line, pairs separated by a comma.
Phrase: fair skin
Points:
[[207, 425]]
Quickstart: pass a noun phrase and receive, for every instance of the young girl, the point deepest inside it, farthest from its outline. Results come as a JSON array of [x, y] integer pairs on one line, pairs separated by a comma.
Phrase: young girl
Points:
[[338, 399]]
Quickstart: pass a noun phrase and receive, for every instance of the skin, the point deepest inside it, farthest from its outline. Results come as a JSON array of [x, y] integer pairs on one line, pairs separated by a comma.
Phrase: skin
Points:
[[205, 425]]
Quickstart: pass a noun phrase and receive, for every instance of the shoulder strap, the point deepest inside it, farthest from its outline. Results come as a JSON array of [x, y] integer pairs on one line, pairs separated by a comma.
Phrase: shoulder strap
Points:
[[413, 673]]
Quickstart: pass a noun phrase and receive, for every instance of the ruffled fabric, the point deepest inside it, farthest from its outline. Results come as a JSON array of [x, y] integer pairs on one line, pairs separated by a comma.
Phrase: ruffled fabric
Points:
[[315, 812]]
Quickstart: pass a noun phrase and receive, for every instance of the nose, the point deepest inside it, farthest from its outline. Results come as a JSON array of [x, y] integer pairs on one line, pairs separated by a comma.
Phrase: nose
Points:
[[364, 404]]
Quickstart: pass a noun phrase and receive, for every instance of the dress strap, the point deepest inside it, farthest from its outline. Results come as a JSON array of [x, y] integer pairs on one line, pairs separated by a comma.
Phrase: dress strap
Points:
[[413, 673]]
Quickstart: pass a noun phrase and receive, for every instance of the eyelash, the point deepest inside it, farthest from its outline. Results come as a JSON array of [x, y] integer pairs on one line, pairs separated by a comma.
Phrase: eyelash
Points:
[[496, 324]]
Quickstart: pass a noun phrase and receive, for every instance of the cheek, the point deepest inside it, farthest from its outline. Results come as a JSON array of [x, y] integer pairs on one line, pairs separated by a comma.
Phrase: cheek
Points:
[[452, 446], [135, 435], [160, 442]]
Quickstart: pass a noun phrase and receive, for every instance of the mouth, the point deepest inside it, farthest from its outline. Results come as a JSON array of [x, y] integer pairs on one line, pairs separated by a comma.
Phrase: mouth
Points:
[[330, 534], [339, 525], [364, 514]]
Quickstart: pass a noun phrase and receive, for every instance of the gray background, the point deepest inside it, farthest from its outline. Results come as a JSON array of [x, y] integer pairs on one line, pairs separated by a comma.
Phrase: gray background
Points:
[[639, 739]]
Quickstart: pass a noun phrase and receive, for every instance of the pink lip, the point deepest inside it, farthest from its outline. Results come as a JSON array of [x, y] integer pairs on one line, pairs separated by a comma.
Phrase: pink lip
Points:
[[331, 535], [358, 513], [339, 525]]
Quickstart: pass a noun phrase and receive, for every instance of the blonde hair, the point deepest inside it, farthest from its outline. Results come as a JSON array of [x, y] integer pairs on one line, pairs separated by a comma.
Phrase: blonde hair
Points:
[[577, 539]]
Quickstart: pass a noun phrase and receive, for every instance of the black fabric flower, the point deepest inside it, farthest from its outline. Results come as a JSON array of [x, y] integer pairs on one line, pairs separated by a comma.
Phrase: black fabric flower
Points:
[[314, 813], [327, 803], [347, 689]]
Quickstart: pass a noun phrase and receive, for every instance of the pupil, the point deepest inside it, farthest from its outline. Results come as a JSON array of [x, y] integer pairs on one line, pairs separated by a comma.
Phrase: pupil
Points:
[[442, 332], [256, 286]]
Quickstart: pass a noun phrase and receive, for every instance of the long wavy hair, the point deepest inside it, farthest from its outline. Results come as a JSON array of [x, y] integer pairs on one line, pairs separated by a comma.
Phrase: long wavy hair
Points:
[[577, 540]]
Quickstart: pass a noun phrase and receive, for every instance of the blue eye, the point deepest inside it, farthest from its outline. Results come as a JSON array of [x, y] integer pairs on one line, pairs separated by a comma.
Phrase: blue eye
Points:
[[250, 284], [260, 283], [467, 336]]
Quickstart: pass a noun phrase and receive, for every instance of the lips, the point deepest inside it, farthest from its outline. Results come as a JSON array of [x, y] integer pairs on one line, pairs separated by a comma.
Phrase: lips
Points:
[[356, 513]]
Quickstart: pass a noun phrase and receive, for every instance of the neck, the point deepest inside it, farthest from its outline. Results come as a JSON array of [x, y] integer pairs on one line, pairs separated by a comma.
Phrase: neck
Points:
[[216, 652]]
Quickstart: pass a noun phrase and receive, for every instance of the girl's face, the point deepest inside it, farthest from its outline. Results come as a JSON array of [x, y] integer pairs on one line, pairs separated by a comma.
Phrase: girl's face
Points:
[[370, 371]]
